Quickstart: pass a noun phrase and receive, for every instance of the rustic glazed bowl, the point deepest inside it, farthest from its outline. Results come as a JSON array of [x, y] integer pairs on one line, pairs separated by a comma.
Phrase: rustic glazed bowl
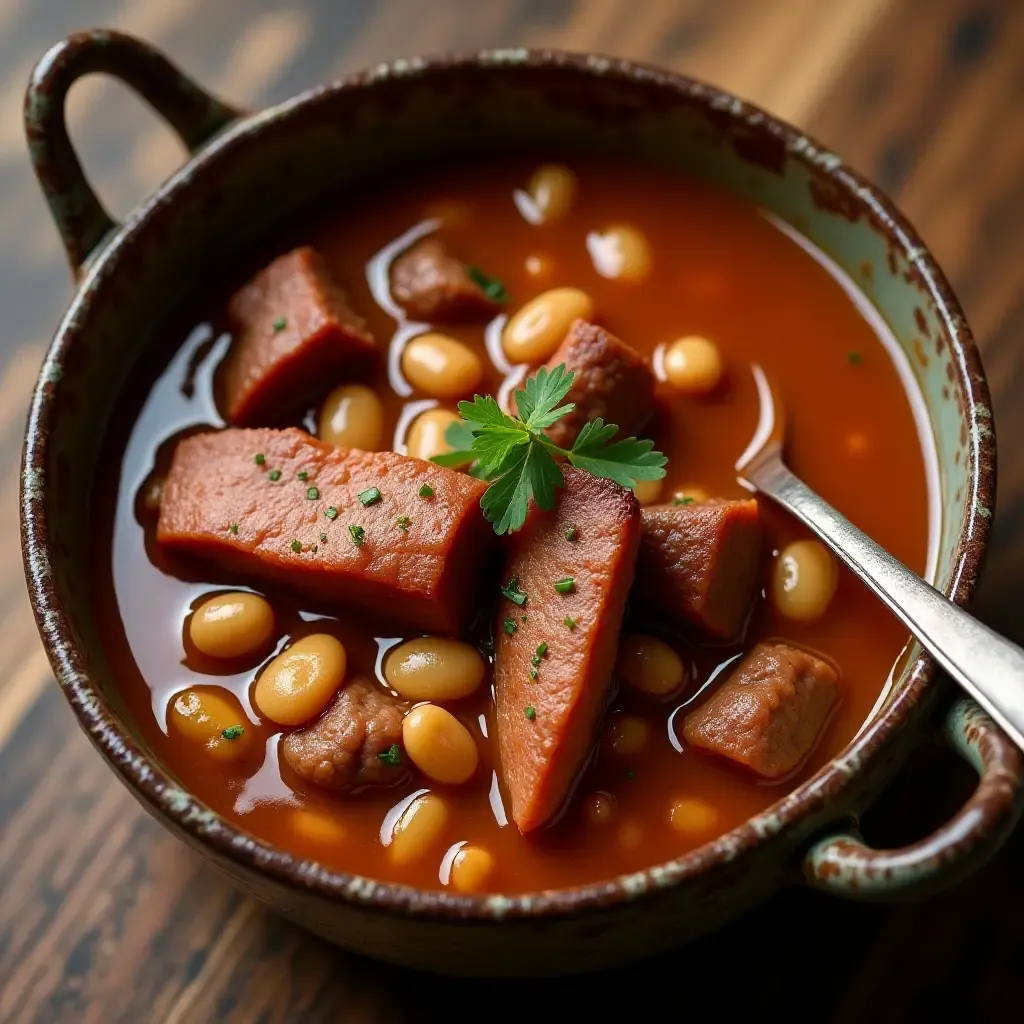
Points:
[[249, 172]]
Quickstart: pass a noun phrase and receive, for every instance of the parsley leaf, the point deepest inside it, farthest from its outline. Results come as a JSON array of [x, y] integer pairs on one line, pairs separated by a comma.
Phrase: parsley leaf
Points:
[[626, 462], [519, 460], [490, 286], [540, 396]]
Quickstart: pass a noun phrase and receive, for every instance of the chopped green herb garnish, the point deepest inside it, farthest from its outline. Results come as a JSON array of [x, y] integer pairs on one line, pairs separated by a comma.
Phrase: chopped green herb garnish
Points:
[[630, 774], [302, 474], [542, 649], [274, 475], [392, 756], [535, 661], [523, 617], [369, 497], [232, 732], [513, 593], [312, 493], [358, 535], [531, 712], [566, 585], [490, 286], [296, 546], [323, 538], [518, 459], [402, 522], [510, 626], [233, 527], [260, 459], [533, 673], [569, 622], [684, 500], [571, 533], [854, 358], [426, 491], [331, 512], [279, 324]]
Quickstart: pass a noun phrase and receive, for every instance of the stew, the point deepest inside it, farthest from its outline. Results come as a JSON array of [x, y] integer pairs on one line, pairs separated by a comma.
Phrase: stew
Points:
[[322, 634]]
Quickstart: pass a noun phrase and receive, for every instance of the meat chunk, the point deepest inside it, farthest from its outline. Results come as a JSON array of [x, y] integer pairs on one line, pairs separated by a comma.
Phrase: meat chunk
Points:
[[699, 565], [611, 381], [547, 725], [341, 749], [769, 713], [262, 502], [432, 285], [295, 336]]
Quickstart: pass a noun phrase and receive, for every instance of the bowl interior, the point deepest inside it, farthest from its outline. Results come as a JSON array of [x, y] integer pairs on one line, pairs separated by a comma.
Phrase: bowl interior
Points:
[[264, 169]]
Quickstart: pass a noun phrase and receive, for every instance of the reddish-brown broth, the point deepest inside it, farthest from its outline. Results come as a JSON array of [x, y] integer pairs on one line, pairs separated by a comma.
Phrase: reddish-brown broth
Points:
[[720, 268]]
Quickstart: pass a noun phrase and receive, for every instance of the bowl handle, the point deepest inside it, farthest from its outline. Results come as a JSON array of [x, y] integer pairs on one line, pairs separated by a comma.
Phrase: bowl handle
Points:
[[194, 114], [843, 864]]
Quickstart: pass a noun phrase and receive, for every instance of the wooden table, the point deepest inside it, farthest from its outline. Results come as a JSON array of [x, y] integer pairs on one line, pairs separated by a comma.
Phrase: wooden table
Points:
[[104, 917]]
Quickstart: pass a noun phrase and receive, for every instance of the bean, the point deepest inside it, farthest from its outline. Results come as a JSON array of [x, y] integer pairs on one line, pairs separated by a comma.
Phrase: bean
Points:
[[352, 417], [426, 435], [627, 735], [418, 829], [301, 681], [648, 491], [317, 826], [440, 366], [620, 252], [231, 625], [650, 665], [600, 807], [693, 365], [535, 330], [439, 744], [471, 869], [804, 580], [434, 668], [553, 188], [203, 715], [690, 815]]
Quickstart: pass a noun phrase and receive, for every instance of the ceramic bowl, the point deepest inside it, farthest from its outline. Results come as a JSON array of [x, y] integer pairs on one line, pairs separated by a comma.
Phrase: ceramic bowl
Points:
[[247, 173]]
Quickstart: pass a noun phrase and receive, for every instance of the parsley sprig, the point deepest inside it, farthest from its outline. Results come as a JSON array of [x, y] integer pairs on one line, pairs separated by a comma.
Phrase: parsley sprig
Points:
[[519, 459]]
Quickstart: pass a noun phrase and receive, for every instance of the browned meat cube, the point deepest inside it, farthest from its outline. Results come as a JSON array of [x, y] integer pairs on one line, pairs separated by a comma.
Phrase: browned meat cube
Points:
[[698, 565], [611, 381], [295, 336], [432, 285], [544, 750], [260, 503], [342, 749], [769, 713]]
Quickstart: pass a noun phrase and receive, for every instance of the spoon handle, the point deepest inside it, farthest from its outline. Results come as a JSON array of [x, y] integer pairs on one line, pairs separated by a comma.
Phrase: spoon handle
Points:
[[989, 667]]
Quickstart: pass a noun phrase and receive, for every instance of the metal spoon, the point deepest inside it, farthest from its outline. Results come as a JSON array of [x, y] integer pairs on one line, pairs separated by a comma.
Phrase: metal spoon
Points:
[[989, 667]]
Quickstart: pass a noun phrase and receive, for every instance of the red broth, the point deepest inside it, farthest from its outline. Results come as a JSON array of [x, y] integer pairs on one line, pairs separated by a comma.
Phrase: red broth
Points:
[[721, 268]]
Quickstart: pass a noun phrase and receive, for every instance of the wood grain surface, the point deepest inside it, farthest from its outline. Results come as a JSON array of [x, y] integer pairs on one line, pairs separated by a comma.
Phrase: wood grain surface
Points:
[[104, 917]]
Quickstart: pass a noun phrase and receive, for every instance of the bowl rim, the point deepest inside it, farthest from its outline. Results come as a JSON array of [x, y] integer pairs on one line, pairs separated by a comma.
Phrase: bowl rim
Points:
[[207, 829]]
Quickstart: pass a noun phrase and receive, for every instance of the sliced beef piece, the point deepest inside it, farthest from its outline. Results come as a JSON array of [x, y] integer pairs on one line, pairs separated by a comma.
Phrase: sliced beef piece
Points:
[[295, 336], [267, 519], [543, 750], [341, 749], [432, 285], [698, 565], [611, 380], [769, 713]]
